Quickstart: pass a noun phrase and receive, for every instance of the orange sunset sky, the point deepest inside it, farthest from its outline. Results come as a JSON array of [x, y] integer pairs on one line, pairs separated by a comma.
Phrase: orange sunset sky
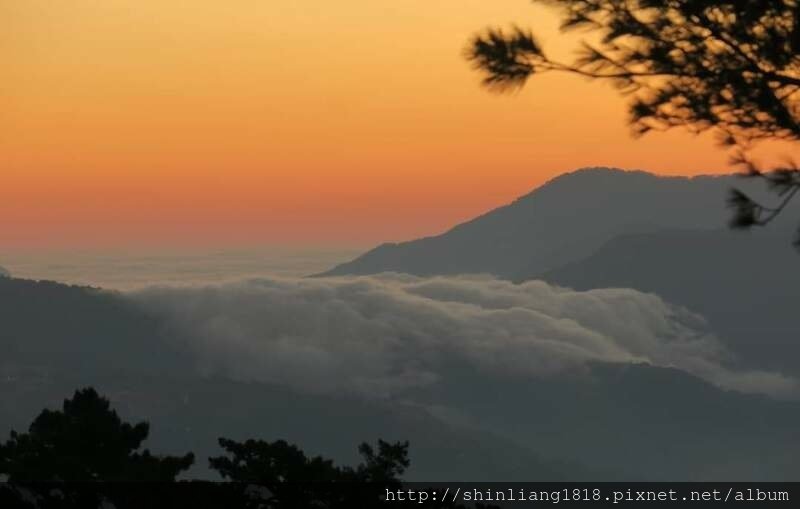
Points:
[[240, 122]]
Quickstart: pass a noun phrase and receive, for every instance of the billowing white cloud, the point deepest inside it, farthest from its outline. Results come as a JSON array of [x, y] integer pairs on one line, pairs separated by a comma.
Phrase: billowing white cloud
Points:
[[380, 335]]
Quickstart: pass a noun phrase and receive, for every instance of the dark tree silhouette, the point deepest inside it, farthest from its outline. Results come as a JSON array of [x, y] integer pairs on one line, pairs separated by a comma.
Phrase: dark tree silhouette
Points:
[[270, 462], [730, 65], [85, 441], [279, 462], [291, 479], [280, 475], [71, 458]]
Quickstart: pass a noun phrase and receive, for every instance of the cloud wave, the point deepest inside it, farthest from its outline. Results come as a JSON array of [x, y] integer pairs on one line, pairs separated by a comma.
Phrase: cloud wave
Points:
[[382, 335]]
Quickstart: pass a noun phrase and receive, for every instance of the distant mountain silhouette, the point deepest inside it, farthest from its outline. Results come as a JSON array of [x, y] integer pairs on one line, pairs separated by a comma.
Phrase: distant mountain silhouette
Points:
[[746, 284], [562, 221], [4, 272]]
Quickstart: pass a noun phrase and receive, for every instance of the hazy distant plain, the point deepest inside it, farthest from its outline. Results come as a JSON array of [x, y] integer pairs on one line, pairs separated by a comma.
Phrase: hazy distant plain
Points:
[[121, 270]]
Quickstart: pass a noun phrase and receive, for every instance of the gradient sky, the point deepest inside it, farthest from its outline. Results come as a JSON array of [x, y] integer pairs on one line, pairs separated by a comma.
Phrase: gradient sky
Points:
[[243, 122]]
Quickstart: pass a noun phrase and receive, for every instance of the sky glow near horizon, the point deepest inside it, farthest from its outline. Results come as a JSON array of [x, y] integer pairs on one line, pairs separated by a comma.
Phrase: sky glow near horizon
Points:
[[200, 124]]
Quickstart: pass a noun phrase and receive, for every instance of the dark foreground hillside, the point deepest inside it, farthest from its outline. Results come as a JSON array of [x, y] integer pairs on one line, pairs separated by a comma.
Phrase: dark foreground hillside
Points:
[[606, 421], [57, 338]]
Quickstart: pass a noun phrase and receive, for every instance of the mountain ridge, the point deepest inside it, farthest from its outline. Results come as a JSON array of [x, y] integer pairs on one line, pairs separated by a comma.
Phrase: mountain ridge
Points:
[[563, 220]]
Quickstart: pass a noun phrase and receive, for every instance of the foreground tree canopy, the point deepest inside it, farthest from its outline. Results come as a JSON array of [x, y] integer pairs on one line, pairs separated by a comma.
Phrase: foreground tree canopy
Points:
[[49, 467], [730, 65], [275, 463], [85, 441], [289, 478]]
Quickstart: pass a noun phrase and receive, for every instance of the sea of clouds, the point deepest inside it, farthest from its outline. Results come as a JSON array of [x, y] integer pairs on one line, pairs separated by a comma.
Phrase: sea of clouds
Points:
[[382, 335]]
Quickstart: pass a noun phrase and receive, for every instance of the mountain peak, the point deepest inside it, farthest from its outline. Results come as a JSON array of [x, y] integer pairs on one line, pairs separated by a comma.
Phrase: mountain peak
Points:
[[566, 219], [595, 173], [580, 175]]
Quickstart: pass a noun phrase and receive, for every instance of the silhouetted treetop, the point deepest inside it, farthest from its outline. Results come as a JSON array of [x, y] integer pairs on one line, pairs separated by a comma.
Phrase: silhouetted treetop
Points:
[[269, 462], [85, 441], [386, 465], [733, 65], [724, 63], [277, 462], [292, 479]]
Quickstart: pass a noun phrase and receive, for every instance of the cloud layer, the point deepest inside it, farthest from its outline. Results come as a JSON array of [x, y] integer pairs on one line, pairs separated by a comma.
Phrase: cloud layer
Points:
[[382, 335]]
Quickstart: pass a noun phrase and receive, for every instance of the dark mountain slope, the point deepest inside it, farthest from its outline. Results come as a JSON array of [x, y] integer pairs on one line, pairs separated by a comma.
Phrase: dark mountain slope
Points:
[[50, 327], [564, 220], [747, 285], [659, 423]]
